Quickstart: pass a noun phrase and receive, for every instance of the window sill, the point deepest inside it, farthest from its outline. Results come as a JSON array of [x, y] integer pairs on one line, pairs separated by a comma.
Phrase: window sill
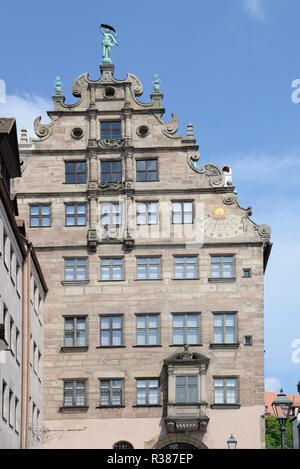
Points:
[[73, 409], [74, 349], [222, 279], [190, 345], [147, 279], [225, 346], [41, 226], [139, 346], [74, 282], [146, 405], [225, 406], [185, 278], [111, 346], [110, 406], [111, 281]]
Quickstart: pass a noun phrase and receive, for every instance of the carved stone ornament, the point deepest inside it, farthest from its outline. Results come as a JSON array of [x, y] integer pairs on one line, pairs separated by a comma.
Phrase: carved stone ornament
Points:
[[111, 143], [80, 85], [169, 128], [43, 130], [264, 231], [92, 239], [111, 186], [136, 84], [186, 425], [229, 199]]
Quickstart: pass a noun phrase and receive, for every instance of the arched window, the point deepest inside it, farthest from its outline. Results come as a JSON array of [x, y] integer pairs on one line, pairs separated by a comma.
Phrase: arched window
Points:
[[122, 445], [179, 446]]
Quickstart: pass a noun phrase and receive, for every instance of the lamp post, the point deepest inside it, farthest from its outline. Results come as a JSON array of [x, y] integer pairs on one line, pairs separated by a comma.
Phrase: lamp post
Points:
[[282, 407], [231, 442]]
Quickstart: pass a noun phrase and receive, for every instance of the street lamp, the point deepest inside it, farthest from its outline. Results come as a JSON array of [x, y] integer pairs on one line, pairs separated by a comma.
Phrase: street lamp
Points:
[[282, 407], [231, 442]]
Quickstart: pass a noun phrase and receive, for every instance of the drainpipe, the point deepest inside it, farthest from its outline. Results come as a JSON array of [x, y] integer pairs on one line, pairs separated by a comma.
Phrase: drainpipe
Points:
[[26, 319]]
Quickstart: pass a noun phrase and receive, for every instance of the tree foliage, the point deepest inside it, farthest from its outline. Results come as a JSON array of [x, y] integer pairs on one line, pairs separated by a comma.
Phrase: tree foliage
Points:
[[273, 435]]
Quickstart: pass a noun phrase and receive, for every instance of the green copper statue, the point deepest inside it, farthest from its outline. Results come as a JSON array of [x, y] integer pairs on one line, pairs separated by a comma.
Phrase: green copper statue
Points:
[[156, 83], [108, 42]]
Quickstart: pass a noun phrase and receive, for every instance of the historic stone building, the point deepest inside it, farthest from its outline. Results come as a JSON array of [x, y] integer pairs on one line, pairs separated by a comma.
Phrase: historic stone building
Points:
[[22, 294], [154, 323]]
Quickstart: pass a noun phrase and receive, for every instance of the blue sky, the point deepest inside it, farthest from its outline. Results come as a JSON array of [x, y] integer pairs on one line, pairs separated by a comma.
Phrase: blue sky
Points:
[[227, 66]]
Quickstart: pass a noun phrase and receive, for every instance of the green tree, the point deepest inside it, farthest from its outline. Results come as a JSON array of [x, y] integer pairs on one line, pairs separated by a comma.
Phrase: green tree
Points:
[[273, 435]]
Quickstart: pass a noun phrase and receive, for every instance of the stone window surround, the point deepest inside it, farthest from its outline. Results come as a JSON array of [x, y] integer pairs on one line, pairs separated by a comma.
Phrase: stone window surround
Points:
[[76, 282], [85, 172], [182, 370], [182, 202], [110, 160], [147, 330], [223, 279], [147, 392], [119, 120], [111, 406], [137, 256], [225, 405], [194, 313], [186, 255], [74, 408], [75, 348], [110, 315], [226, 345], [122, 265], [147, 202], [40, 217], [148, 158], [76, 214]]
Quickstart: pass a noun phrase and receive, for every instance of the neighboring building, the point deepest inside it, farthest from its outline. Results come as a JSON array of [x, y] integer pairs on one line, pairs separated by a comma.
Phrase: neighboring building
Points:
[[296, 421], [154, 324], [21, 351]]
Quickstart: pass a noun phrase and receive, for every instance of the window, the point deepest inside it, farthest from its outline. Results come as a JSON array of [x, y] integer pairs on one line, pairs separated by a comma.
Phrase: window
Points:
[[186, 329], [111, 392], [148, 268], [111, 269], [122, 445], [75, 332], [75, 270], [146, 170], [225, 390], [75, 214], [147, 327], [225, 328], [40, 215], [182, 212], [6, 248], [74, 393], [247, 273], [75, 172], [16, 414], [186, 267], [111, 331], [248, 340], [147, 392], [111, 171], [146, 213], [5, 412], [110, 130], [110, 214], [222, 266], [11, 409], [186, 389]]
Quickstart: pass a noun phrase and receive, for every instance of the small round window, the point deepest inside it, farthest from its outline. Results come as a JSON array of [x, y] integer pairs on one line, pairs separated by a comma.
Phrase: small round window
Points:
[[77, 132], [109, 92], [143, 130], [122, 445]]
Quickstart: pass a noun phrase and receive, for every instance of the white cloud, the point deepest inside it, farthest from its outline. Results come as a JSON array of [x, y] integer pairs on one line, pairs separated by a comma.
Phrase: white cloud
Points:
[[255, 9], [272, 384], [25, 109]]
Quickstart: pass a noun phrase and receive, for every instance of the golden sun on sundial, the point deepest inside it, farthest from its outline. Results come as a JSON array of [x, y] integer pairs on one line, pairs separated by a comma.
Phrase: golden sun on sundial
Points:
[[218, 224]]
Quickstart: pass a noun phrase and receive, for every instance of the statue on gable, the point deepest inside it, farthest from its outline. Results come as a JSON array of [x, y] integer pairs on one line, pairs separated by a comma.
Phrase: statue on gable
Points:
[[108, 42]]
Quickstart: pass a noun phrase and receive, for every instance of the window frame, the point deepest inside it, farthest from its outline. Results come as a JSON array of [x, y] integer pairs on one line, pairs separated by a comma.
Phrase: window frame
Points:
[[183, 212], [110, 122], [146, 171], [110, 392], [224, 327], [75, 330], [187, 387], [111, 172], [112, 213], [75, 392], [186, 329], [147, 329], [111, 267], [185, 264], [221, 264], [111, 329], [76, 173], [147, 389], [76, 215], [147, 212], [75, 268], [148, 264], [225, 389], [40, 216]]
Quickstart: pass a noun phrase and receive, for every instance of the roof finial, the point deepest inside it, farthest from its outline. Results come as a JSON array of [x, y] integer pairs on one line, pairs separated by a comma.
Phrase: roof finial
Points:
[[108, 42], [58, 85], [23, 136], [156, 83]]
